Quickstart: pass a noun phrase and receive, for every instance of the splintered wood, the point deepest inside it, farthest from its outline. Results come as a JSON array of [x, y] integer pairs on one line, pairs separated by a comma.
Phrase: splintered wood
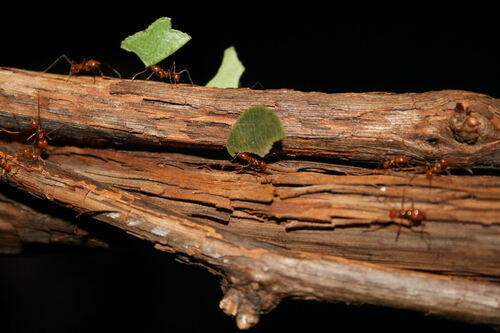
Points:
[[149, 158]]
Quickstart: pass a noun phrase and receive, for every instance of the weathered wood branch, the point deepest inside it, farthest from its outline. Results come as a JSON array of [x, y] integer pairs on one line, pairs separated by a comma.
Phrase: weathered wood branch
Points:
[[283, 233], [20, 224], [351, 126]]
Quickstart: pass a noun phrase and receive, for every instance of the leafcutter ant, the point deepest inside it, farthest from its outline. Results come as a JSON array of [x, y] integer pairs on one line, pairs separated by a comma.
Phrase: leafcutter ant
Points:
[[253, 162], [413, 216], [90, 65], [163, 74], [40, 136], [440, 165], [4, 164], [30, 156], [398, 162]]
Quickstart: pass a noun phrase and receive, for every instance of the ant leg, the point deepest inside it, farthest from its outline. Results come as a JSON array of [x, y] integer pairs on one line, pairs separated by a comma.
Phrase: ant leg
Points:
[[29, 137], [47, 135], [422, 232], [403, 199], [18, 127], [171, 74], [399, 231], [257, 83], [10, 132], [235, 157], [376, 229], [62, 56], [95, 73], [469, 170]]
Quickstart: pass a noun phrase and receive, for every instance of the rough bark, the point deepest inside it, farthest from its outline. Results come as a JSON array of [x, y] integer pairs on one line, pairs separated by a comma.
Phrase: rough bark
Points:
[[148, 158]]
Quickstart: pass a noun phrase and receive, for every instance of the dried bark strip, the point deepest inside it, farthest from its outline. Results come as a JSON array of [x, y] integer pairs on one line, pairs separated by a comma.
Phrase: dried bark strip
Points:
[[461, 233], [20, 224]]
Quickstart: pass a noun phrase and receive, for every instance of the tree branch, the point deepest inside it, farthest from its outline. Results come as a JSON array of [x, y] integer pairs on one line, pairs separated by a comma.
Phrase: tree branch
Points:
[[282, 233], [351, 126]]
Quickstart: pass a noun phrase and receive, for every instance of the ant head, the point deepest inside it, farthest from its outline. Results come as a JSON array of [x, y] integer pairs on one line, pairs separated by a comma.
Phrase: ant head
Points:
[[400, 160], [244, 156], [416, 216], [393, 213], [386, 164], [444, 163], [93, 63], [156, 68], [34, 124]]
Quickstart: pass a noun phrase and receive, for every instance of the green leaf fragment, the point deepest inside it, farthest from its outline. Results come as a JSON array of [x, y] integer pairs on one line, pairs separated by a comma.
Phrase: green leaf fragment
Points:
[[255, 131], [230, 71], [155, 43]]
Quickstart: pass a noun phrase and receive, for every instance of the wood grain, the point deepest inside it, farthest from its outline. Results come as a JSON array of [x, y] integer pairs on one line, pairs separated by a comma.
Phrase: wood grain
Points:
[[148, 158]]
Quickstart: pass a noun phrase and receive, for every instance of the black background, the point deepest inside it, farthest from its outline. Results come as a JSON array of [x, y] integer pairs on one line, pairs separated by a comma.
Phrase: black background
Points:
[[313, 48]]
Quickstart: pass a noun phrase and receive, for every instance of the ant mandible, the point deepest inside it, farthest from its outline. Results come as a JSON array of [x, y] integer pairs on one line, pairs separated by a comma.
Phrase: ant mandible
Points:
[[85, 66], [162, 74], [253, 162]]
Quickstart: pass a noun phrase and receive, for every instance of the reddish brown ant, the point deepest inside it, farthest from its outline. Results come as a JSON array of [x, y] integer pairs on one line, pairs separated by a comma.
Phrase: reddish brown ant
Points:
[[253, 162], [162, 74], [85, 66], [440, 165], [30, 155], [413, 215], [41, 137], [7, 167], [398, 162], [4, 164]]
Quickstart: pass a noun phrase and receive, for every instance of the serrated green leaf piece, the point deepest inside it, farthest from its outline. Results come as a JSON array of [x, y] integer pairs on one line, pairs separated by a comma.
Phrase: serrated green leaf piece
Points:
[[255, 131], [155, 43], [230, 71]]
